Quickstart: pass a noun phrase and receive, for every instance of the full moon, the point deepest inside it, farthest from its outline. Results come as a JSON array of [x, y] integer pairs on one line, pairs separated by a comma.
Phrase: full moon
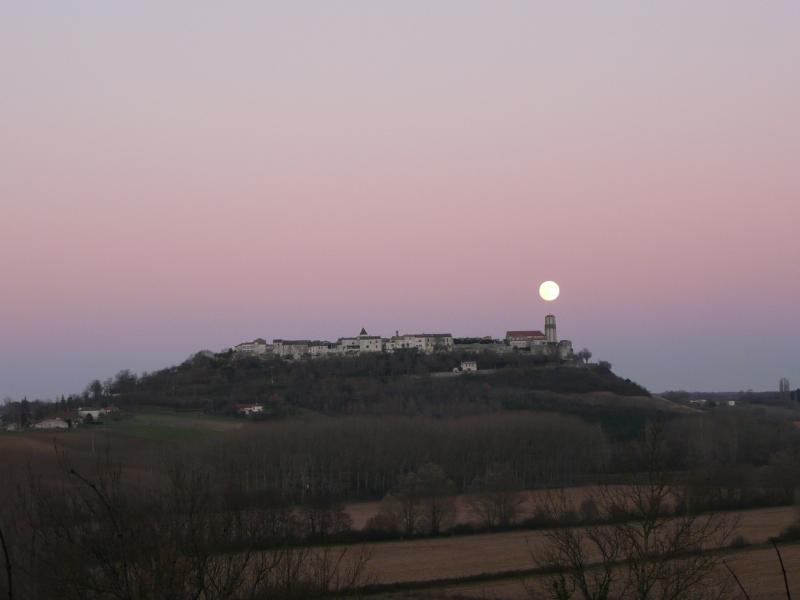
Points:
[[549, 291]]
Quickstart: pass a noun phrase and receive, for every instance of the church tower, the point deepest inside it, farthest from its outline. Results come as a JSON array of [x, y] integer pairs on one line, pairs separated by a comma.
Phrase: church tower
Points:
[[550, 328]]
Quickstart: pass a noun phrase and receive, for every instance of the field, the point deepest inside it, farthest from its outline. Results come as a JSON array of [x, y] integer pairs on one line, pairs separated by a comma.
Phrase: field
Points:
[[495, 565], [361, 512], [757, 569], [168, 424], [428, 560]]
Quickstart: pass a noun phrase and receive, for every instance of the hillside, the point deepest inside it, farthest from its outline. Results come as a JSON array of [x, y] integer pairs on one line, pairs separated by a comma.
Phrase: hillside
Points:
[[403, 383]]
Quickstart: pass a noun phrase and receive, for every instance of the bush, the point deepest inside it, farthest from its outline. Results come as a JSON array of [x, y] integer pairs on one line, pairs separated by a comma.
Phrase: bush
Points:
[[791, 533], [739, 542]]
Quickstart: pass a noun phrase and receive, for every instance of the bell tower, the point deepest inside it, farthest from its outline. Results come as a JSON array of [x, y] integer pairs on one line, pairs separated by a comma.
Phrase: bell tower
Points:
[[550, 328]]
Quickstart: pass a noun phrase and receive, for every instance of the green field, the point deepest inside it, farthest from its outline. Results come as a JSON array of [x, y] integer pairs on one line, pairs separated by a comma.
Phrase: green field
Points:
[[165, 424]]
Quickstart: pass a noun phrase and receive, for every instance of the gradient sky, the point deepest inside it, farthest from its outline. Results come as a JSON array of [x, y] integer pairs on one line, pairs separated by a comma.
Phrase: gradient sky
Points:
[[185, 175]]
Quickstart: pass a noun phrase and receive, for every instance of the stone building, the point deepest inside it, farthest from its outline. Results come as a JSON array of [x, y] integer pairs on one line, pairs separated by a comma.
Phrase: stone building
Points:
[[538, 343], [258, 347], [290, 348], [427, 343]]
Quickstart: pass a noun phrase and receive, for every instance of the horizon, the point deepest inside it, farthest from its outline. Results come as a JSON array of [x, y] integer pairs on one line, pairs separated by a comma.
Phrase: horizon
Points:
[[182, 177]]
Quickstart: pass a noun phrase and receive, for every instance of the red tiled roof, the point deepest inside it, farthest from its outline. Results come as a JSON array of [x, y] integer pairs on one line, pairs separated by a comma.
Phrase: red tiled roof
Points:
[[525, 333]]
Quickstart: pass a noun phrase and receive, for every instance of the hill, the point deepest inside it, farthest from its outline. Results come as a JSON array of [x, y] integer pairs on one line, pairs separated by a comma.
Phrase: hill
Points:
[[405, 383]]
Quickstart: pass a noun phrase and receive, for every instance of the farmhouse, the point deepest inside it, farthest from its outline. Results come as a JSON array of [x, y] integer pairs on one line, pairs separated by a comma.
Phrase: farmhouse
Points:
[[51, 424], [94, 413]]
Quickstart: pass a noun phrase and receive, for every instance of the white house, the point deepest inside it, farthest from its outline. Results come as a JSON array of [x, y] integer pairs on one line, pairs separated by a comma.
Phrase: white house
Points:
[[258, 347], [249, 409], [469, 365], [51, 424], [95, 413]]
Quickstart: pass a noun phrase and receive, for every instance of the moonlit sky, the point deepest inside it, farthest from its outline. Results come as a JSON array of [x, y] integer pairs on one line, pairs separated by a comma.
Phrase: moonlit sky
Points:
[[185, 175]]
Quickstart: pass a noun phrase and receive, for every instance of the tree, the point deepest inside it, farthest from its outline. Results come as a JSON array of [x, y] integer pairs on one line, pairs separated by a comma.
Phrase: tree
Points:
[[94, 391], [100, 537], [421, 502], [323, 517], [438, 505], [406, 500], [584, 355], [649, 552], [495, 498]]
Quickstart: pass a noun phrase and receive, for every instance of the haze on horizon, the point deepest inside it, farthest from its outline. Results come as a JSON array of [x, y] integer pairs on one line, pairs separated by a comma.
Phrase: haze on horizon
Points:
[[187, 175]]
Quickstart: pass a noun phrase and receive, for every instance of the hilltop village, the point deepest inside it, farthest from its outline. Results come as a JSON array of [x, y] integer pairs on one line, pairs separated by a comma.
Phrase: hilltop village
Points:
[[227, 383], [532, 342]]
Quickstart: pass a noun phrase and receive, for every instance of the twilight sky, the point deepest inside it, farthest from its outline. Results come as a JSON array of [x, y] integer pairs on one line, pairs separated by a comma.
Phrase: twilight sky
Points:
[[186, 175]]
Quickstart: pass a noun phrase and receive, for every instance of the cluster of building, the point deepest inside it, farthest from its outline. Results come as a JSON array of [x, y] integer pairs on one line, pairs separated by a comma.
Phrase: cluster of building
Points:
[[67, 420], [527, 341]]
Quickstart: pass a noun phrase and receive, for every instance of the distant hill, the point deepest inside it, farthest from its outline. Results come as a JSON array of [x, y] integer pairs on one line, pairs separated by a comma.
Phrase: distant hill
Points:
[[403, 383]]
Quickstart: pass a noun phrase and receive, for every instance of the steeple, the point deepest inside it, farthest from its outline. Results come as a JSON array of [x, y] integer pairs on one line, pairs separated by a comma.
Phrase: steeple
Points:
[[363, 332]]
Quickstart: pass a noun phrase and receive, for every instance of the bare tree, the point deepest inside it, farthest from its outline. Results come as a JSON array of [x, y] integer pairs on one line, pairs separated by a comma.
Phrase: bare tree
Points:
[[96, 537], [495, 497], [647, 551]]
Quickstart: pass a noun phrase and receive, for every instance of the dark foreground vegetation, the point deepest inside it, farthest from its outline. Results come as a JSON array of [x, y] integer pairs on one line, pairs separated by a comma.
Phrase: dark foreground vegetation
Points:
[[202, 528], [87, 535]]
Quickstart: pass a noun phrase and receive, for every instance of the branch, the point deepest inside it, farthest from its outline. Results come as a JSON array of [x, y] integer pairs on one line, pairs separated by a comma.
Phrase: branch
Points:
[[7, 555]]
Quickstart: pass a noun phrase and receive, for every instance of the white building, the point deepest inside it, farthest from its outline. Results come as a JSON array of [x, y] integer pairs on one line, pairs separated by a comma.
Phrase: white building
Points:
[[95, 413], [290, 348], [250, 409], [321, 348], [258, 347], [427, 343], [469, 366], [347, 346], [525, 339], [51, 424], [369, 343]]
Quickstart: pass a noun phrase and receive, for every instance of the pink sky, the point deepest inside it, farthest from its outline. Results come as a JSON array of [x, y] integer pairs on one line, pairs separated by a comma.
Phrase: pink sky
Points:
[[189, 176]]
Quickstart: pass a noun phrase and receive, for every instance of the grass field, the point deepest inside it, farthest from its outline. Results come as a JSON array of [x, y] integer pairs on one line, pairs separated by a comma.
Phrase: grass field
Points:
[[170, 425]]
